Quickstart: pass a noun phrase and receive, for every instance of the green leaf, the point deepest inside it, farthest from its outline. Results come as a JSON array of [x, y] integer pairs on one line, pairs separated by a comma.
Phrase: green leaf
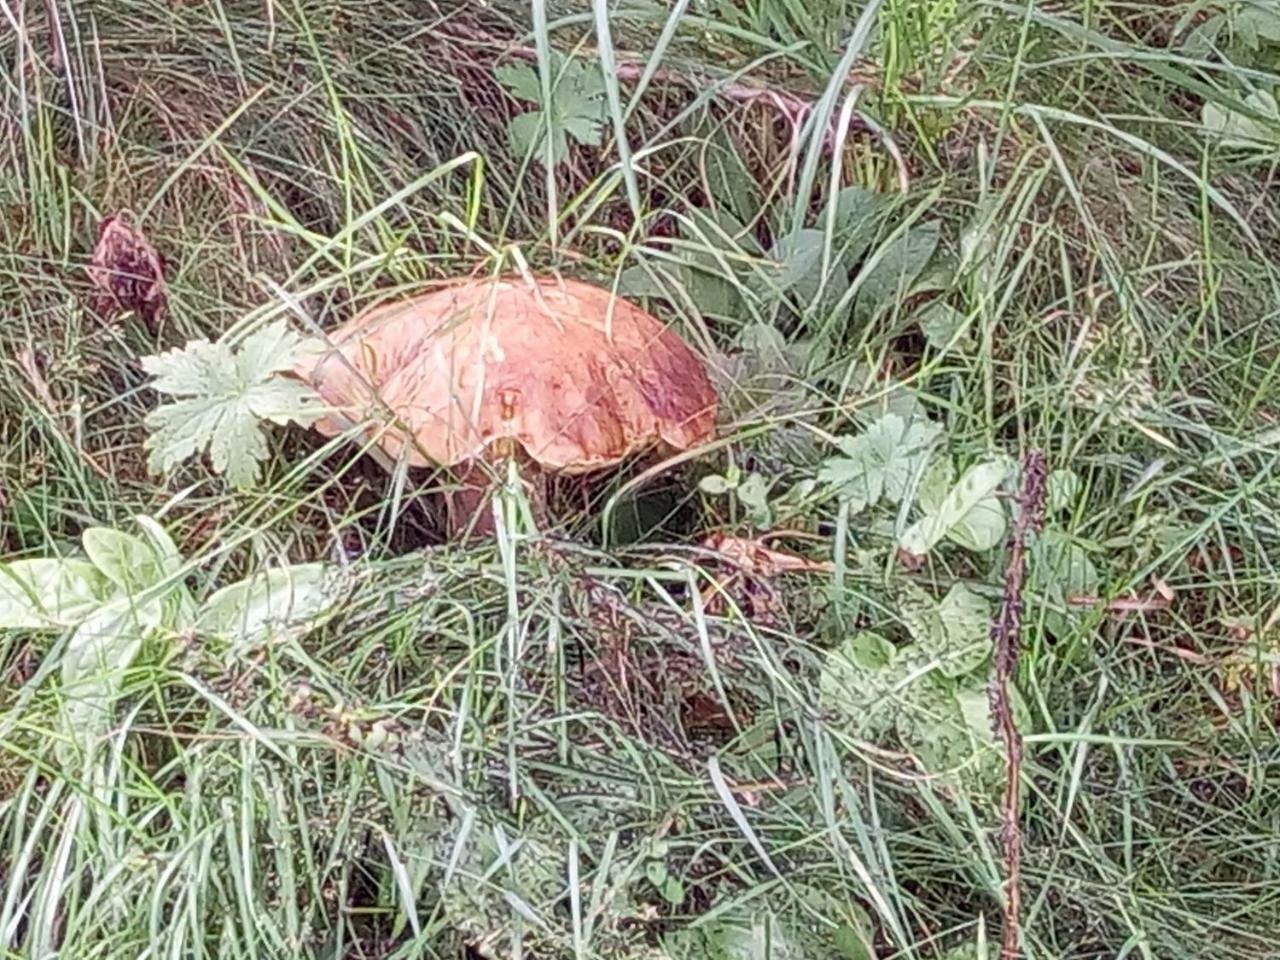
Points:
[[940, 323], [672, 890], [128, 562], [1064, 490], [715, 485], [855, 220], [753, 494], [1237, 130], [858, 683], [225, 395], [1263, 23], [1202, 38], [93, 666], [1061, 566], [969, 514], [740, 934], [246, 612], [891, 278], [577, 107], [956, 630], [49, 593], [936, 483], [525, 133], [799, 276], [521, 81], [881, 461]]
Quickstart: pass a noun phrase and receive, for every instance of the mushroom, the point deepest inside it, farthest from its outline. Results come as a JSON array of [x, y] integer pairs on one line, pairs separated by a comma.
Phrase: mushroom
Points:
[[560, 373]]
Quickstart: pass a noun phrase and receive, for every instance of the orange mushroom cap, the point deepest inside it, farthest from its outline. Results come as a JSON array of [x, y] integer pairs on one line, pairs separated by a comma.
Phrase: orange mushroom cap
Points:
[[578, 377]]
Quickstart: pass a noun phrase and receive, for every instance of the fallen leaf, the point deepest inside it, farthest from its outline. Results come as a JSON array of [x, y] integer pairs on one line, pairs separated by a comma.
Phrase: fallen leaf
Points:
[[753, 557], [127, 272]]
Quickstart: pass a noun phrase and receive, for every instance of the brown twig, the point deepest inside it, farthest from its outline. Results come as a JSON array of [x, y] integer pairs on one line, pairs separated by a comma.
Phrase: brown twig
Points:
[[1006, 635]]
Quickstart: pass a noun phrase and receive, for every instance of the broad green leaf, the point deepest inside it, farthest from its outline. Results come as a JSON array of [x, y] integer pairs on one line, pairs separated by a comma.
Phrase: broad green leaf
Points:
[[937, 734], [1243, 132], [940, 323], [969, 514], [1202, 38], [882, 461], [128, 562], [740, 934], [1263, 20], [225, 395], [953, 735], [891, 278], [1062, 566], [1064, 490], [48, 593], [799, 276], [858, 684], [730, 182], [936, 483], [855, 221], [246, 612], [106, 642], [93, 666], [955, 631], [525, 132]]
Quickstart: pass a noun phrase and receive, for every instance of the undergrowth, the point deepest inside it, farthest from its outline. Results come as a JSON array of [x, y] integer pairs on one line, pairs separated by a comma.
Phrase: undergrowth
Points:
[[288, 716]]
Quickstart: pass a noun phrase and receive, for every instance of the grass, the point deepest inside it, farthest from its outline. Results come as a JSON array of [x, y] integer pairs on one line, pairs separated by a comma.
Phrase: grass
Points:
[[556, 746]]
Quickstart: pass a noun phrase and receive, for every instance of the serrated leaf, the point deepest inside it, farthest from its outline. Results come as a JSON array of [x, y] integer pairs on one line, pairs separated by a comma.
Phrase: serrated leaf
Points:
[[225, 395], [521, 81], [198, 368], [576, 109], [246, 612], [49, 593], [882, 461], [969, 514], [588, 131], [892, 276]]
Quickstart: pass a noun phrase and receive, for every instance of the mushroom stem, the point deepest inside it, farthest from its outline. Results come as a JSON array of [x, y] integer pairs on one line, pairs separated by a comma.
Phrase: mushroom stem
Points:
[[467, 507]]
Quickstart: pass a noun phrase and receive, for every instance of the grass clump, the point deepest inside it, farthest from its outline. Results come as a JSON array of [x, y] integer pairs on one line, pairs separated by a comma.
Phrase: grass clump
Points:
[[914, 241]]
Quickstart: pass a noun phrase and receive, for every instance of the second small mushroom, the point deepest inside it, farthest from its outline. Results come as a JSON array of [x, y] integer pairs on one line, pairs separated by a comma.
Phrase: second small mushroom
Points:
[[557, 371]]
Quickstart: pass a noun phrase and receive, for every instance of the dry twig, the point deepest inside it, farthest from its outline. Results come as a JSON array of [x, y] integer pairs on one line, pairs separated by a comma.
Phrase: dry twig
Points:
[[1006, 635]]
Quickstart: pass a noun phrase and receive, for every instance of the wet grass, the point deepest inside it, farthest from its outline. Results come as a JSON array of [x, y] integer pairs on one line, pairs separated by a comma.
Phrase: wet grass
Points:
[[551, 744]]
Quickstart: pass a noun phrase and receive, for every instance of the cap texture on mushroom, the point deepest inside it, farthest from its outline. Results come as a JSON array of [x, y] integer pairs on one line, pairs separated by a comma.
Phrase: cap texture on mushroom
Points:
[[578, 377]]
